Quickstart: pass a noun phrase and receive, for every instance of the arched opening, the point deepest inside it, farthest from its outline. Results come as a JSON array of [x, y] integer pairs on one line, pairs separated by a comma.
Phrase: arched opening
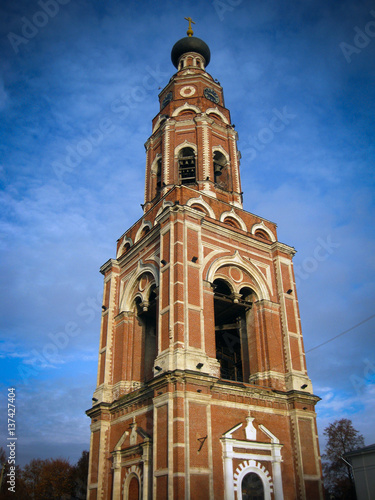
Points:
[[199, 208], [252, 487], [146, 312], [186, 166], [220, 170], [231, 222], [125, 249], [133, 491], [262, 234], [145, 230], [231, 331], [158, 174]]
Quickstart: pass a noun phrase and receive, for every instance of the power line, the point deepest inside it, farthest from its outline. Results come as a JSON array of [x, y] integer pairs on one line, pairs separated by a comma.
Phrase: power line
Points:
[[342, 333]]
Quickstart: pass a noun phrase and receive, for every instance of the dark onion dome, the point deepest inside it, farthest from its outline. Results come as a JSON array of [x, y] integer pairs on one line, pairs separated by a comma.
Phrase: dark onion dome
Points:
[[190, 44]]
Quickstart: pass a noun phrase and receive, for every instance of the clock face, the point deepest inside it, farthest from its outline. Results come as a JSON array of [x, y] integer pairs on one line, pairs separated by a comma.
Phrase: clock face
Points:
[[211, 95], [167, 99]]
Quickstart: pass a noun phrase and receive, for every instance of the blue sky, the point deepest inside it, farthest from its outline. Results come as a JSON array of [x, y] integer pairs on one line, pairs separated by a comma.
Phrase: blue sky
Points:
[[78, 89]]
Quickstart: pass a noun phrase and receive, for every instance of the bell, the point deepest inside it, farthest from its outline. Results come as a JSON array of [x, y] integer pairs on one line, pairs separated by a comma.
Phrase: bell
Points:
[[218, 169]]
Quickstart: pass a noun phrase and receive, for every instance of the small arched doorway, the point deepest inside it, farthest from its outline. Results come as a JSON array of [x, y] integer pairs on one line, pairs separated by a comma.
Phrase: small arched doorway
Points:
[[252, 487], [133, 492]]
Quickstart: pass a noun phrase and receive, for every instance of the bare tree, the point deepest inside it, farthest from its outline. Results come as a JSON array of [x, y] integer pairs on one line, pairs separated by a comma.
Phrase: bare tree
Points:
[[338, 476]]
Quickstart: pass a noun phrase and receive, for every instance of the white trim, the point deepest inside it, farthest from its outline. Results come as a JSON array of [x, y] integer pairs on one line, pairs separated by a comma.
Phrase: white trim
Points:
[[160, 119], [247, 467], [185, 144], [154, 163], [185, 107], [127, 296], [164, 205], [262, 289], [200, 201], [233, 215], [134, 471], [251, 461], [145, 223], [125, 241], [263, 227], [216, 111], [221, 150]]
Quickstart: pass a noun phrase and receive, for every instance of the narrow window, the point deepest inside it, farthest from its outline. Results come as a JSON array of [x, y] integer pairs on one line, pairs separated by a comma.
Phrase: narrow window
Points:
[[158, 175], [186, 166], [252, 487], [133, 493], [231, 332], [146, 314], [220, 172]]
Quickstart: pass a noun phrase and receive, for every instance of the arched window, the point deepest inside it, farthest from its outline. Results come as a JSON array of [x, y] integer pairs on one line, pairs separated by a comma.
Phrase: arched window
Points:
[[231, 331], [146, 316], [221, 175], [186, 166], [158, 174], [133, 491], [219, 163], [252, 487], [262, 234]]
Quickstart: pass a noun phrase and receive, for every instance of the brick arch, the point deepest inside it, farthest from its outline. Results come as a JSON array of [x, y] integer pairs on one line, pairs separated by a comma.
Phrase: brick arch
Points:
[[216, 111], [261, 286], [186, 107], [256, 467], [231, 214], [199, 201], [128, 294], [262, 227], [146, 224], [136, 472], [185, 144], [126, 241]]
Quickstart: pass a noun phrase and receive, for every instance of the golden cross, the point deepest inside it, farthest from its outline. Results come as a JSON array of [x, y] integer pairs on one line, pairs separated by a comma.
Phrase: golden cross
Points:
[[189, 31]]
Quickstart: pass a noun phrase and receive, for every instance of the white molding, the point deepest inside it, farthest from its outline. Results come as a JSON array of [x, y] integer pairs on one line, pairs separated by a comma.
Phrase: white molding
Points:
[[247, 467], [125, 241], [216, 111], [127, 296], [145, 223], [236, 259], [134, 471], [200, 201], [251, 461], [233, 215], [185, 107], [185, 144], [263, 227], [221, 150], [164, 205]]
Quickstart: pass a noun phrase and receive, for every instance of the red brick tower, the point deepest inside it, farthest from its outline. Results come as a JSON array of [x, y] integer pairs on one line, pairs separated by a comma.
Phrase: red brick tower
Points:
[[202, 388]]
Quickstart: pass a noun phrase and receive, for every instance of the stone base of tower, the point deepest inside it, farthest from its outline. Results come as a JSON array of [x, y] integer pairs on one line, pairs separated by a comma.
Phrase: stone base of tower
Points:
[[191, 436]]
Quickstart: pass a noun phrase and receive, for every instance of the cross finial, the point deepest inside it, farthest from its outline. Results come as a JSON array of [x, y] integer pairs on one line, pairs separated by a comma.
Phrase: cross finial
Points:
[[189, 31]]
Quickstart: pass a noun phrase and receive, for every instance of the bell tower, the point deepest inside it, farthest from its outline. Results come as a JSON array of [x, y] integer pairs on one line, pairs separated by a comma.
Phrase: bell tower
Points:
[[202, 389]]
